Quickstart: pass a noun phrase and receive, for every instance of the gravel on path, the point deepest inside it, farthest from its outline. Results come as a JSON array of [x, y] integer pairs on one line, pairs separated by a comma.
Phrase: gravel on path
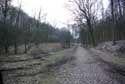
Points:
[[86, 69]]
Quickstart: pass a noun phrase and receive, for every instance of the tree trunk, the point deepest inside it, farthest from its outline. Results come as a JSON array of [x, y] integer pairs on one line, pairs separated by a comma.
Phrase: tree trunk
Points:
[[120, 21], [113, 22], [92, 38], [123, 7], [25, 51], [15, 48], [91, 32], [6, 49], [1, 78]]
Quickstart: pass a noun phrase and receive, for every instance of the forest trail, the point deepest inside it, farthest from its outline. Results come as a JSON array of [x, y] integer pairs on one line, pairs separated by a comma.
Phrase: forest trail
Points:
[[86, 69], [76, 65]]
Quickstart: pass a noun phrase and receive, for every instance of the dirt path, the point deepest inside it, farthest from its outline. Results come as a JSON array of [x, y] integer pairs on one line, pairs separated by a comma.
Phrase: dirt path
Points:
[[71, 66], [86, 69]]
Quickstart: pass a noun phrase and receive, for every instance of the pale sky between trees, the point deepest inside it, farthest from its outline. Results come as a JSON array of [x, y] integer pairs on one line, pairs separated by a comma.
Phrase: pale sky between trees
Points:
[[56, 11]]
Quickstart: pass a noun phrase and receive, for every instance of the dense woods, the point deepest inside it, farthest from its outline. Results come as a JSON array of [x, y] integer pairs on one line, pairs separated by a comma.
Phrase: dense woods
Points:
[[98, 24], [17, 28]]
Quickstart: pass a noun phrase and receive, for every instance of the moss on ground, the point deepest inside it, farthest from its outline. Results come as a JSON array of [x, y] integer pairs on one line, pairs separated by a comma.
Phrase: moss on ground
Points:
[[50, 77], [51, 59], [118, 60], [33, 71], [57, 56]]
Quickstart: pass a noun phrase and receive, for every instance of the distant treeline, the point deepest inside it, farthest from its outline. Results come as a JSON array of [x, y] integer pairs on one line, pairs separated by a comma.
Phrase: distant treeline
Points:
[[17, 28]]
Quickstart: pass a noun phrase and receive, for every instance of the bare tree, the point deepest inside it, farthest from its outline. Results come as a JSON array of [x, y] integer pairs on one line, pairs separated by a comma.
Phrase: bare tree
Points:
[[37, 39], [16, 32], [119, 20], [124, 6], [4, 4], [113, 19], [87, 11]]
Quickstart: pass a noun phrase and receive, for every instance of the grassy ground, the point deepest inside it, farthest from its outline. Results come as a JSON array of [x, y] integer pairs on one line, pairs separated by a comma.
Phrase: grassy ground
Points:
[[35, 67], [49, 77], [115, 60], [112, 53], [54, 57], [59, 57], [34, 71]]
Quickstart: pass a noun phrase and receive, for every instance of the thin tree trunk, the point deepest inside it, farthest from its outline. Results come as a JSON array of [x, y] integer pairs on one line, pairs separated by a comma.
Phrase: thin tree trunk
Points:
[[25, 51], [92, 38], [120, 21], [1, 78], [15, 48], [4, 21], [113, 22], [123, 7], [6, 49], [91, 32]]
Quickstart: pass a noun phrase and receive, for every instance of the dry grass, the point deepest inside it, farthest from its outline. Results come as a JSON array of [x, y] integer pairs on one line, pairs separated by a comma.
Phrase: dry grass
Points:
[[44, 46]]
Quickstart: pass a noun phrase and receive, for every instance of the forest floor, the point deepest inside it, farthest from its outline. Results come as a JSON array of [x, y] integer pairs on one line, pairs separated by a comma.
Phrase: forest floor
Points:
[[35, 67], [76, 65]]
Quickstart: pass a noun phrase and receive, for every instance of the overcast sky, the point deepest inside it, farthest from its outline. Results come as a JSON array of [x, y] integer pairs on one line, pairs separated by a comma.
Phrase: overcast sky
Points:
[[56, 10]]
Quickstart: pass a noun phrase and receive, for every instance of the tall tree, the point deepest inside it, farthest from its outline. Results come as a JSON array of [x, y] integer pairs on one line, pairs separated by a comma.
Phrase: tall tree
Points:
[[5, 4], [113, 19], [87, 11], [16, 29]]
